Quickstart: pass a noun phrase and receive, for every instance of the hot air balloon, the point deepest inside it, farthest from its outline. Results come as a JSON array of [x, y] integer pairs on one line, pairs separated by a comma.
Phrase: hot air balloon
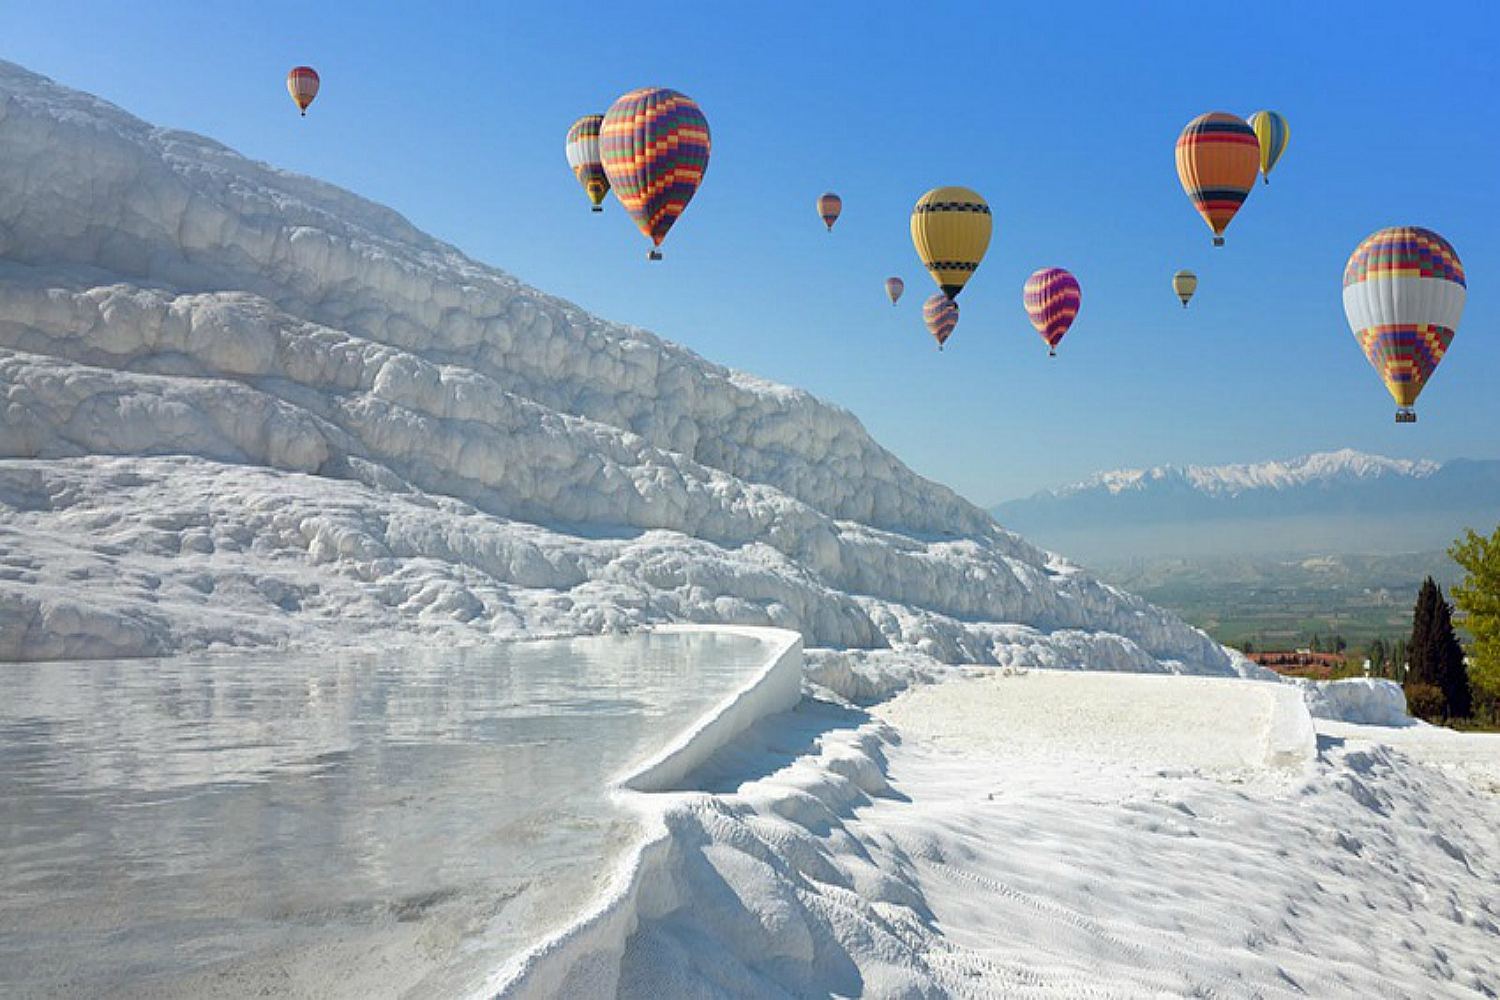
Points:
[[940, 313], [583, 157], [1184, 283], [655, 147], [302, 83], [829, 207], [950, 227], [1218, 157], [894, 287], [1404, 295], [1052, 298], [1273, 133]]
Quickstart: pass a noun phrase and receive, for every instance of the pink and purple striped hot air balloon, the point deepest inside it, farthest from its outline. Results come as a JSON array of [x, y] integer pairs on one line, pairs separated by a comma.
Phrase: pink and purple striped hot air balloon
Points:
[[1052, 298], [893, 288], [655, 144], [940, 313]]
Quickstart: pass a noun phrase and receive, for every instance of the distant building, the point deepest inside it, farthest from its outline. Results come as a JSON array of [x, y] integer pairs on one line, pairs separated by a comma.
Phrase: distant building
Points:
[[1302, 662]]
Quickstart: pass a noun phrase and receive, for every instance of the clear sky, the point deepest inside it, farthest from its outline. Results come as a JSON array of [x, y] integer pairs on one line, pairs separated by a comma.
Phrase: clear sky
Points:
[[1062, 115]]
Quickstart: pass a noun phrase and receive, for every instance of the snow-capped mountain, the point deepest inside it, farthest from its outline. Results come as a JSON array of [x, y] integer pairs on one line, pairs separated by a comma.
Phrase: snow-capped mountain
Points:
[[243, 407], [1321, 468], [1340, 501]]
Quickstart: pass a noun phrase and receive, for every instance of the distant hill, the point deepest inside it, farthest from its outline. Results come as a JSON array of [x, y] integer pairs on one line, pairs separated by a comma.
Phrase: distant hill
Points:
[[1332, 502]]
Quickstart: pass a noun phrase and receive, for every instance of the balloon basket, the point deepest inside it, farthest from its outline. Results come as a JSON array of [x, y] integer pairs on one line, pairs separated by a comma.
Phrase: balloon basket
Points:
[[1406, 415], [1218, 241], [1051, 353], [597, 208], [654, 255]]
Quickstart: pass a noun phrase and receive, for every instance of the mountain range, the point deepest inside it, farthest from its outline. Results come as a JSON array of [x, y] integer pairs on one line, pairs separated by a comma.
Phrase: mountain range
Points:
[[1330, 502]]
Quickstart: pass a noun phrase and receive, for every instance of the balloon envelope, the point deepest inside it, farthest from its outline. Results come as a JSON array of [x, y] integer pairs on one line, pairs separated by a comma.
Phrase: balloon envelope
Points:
[[1052, 298], [893, 288], [1218, 157], [940, 313], [302, 83], [1404, 293], [950, 227], [585, 159], [1184, 283], [655, 146], [829, 207], [1272, 133]]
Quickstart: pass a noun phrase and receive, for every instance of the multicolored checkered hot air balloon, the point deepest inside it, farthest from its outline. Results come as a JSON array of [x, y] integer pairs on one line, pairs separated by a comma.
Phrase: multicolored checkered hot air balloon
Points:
[[1273, 133], [893, 288], [1218, 157], [1184, 283], [940, 313], [584, 158], [302, 83], [950, 227], [829, 207], [1404, 294], [654, 144], [1052, 298]]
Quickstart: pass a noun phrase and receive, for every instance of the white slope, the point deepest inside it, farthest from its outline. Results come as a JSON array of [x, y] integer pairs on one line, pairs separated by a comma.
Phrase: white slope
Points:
[[1343, 466], [242, 407], [1074, 835]]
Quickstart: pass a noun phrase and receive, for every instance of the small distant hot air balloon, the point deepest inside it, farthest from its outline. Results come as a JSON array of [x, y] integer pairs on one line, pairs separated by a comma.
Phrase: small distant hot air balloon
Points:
[[1184, 283], [1052, 298], [950, 227], [1218, 157], [583, 156], [1273, 133], [940, 313], [829, 207], [655, 146], [302, 83], [1404, 294], [893, 288]]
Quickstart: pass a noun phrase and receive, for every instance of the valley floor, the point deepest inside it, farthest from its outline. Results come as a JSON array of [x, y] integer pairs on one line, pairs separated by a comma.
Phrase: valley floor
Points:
[[1064, 835]]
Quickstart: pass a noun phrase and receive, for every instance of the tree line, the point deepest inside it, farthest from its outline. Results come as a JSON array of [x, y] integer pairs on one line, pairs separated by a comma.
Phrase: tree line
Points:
[[1443, 681]]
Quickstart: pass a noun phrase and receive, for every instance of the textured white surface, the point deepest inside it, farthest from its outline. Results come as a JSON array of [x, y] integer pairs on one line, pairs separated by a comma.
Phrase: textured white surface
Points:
[[1070, 835], [240, 407], [1366, 700]]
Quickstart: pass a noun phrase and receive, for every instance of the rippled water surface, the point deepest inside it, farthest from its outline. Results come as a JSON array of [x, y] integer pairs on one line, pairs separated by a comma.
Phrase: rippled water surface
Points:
[[354, 825]]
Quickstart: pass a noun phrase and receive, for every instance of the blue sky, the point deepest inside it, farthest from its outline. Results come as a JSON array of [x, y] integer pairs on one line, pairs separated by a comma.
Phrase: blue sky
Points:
[[1062, 115]]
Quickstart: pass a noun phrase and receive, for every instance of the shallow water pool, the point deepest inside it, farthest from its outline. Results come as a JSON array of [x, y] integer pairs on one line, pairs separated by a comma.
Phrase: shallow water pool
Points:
[[332, 825]]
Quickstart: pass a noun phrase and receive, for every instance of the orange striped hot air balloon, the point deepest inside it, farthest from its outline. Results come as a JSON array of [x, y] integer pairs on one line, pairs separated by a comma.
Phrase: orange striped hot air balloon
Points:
[[655, 145], [1218, 158], [302, 83], [829, 207]]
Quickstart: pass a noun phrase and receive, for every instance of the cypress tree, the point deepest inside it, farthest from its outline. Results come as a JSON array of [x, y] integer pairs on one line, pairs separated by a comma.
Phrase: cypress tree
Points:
[[1421, 649], [1448, 660]]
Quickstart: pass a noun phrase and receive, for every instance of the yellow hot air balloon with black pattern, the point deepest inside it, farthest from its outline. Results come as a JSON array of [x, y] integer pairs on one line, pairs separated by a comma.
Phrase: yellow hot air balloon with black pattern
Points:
[[950, 227]]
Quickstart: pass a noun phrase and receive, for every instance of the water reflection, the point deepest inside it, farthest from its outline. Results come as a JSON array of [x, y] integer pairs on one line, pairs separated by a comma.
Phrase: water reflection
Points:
[[335, 826]]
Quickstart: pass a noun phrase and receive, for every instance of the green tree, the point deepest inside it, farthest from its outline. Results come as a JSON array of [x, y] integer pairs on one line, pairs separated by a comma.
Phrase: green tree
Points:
[[1247, 647], [1377, 655], [1419, 666], [1317, 644], [1434, 656], [1398, 661], [1447, 656], [1478, 597]]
